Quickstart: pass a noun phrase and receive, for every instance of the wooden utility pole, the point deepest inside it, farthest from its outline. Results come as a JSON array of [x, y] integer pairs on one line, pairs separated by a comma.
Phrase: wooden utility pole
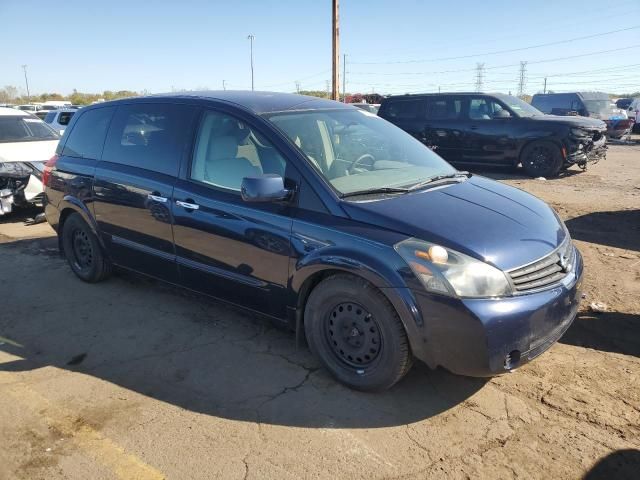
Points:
[[335, 77]]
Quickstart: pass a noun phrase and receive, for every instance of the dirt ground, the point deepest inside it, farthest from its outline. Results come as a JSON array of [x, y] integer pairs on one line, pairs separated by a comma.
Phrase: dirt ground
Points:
[[134, 379]]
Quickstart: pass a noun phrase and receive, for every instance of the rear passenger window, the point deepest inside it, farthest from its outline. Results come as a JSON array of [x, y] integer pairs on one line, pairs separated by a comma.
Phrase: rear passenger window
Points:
[[404, 110], [443, 109], [149, 136], [87, 137]]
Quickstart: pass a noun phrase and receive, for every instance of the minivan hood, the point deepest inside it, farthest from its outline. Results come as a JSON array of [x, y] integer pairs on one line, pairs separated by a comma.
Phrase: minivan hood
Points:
[[27, 151], [573, 121], [488, 220]]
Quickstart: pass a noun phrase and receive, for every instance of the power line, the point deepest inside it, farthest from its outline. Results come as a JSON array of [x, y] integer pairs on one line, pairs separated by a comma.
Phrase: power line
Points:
[[549, 27], [499, 52]]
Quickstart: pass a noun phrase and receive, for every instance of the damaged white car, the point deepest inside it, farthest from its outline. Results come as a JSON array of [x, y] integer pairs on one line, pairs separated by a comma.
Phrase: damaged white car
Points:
[[26, 143]]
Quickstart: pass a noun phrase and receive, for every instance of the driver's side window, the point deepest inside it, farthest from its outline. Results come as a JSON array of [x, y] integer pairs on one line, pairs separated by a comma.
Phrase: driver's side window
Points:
[[484, 109]]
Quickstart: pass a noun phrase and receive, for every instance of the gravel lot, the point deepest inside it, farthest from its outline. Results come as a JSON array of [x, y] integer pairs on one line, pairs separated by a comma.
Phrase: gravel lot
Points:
[[134, 379]]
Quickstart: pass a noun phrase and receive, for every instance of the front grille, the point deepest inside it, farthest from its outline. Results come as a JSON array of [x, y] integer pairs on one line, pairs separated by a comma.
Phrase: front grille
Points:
[[545, 272]]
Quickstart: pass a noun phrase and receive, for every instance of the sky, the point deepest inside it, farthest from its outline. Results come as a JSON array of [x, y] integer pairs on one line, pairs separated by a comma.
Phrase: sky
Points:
[[394, 46]]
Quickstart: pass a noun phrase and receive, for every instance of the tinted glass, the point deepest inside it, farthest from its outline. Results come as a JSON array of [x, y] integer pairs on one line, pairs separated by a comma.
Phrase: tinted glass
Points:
[[404, 109], [485, 109], [88, 134], [21, 128], [50, 116], [227, 150], [445, 108], [519, 107], [149, 136], [355, 150], [65, 117]]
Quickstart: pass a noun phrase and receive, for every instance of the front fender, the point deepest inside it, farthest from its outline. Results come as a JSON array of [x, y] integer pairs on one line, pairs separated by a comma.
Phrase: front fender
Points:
[[380, 268]]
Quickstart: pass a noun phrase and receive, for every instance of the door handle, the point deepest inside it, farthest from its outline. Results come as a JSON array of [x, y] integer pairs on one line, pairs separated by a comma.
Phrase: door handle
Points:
[[187, 205], [157, 198], [474, 127]]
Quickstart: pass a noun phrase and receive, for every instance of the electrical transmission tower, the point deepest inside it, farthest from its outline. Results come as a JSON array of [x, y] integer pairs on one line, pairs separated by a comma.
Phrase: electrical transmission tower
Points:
[[523, 78], [479, 76]]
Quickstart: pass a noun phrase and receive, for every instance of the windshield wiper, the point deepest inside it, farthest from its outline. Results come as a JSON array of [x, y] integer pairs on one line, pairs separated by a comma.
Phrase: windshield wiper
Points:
[[436, 178], [373, 191]]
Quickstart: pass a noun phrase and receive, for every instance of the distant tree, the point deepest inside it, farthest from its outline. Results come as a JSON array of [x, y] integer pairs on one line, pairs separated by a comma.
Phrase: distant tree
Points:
[[8, 94], [314, 93]]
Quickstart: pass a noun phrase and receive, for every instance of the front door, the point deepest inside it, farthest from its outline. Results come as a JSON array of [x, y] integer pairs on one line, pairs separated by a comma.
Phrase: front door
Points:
[[134, 184], [488, 134], [226, 247]]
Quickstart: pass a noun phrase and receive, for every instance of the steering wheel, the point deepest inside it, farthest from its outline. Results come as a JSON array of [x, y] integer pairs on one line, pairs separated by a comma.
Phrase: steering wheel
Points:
[[357, 161]]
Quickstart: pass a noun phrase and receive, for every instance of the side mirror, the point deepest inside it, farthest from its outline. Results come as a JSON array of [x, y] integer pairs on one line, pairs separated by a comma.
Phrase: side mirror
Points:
[[263, 188]]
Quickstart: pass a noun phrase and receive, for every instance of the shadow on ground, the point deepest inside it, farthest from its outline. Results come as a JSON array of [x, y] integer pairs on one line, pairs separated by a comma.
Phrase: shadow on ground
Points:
[[619, 229], [191, 351], [608, 331], [619, 465]]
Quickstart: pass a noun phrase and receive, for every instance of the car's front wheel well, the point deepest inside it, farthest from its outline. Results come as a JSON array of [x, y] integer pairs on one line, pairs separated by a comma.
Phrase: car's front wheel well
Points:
[[556, 142], [307, 287]]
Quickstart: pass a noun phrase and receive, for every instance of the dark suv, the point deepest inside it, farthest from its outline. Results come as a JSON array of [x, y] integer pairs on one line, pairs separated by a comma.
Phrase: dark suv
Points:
[[323, 217], [498, 130]]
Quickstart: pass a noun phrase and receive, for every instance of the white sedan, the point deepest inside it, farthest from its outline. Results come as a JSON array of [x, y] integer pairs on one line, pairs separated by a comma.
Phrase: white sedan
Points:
[[26, 143]]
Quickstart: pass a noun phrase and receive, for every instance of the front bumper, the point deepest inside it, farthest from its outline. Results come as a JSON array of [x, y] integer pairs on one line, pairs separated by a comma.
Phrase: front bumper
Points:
[[486, 337], [580, 151]]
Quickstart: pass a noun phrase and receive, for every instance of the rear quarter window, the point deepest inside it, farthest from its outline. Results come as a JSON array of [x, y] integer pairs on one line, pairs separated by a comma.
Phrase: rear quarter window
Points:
[[149, 136], [65, 117], [87, 137]]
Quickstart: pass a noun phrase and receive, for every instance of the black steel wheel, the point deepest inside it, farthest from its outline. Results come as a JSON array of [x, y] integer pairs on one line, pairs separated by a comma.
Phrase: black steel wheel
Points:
[[356, 333], [541, 159], [83, 251], [353, 334]]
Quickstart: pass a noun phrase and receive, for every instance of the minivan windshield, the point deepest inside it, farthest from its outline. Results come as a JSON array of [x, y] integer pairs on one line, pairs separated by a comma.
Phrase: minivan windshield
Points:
[[521, 108], [22, 128], [357, 151]]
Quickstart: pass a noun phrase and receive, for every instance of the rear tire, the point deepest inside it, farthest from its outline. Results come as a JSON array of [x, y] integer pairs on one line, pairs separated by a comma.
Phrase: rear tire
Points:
[[82, 250], [541, 159], [356, 333]]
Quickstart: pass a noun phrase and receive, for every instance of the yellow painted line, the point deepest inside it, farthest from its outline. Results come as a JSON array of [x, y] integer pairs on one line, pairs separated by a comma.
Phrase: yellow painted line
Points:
[[105, 451]]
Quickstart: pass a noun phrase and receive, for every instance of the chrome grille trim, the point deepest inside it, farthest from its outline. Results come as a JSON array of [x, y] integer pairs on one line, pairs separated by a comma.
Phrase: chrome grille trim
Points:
[[543, 273]]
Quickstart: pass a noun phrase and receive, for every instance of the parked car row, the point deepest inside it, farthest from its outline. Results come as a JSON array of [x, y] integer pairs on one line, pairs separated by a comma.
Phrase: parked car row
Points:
[[26, 143], [497, 130], [331, 220], [586, 104]]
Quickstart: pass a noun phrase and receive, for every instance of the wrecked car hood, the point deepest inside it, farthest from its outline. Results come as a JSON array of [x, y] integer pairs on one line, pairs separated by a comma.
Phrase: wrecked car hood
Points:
[[28, 151], [573, 121]]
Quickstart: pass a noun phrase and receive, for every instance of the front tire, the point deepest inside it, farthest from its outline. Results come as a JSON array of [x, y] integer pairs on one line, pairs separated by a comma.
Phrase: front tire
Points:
[[541, 159], [82, 250], [356, 333]]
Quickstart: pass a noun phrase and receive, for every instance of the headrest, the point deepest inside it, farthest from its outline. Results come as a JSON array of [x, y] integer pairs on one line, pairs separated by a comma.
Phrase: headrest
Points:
[[223, 147]]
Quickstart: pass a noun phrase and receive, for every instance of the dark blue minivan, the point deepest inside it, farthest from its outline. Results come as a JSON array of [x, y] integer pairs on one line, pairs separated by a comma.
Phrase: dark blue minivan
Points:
[[321, 216]]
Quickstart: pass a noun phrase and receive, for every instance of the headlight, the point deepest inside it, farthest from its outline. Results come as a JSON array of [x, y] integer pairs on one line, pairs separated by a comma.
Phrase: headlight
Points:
[[445, 271]]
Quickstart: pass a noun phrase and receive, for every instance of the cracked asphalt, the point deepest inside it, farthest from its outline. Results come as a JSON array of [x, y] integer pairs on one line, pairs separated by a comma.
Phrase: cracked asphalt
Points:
[[135, 379]]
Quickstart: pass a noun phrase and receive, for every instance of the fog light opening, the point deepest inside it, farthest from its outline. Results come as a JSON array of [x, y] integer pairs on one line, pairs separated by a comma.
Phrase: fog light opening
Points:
[[512, 360]]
